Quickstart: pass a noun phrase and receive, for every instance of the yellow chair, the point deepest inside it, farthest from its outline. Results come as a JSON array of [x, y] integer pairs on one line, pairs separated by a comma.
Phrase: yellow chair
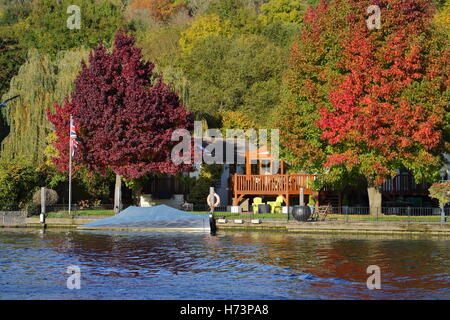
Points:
[[256, 201], [276, 205]]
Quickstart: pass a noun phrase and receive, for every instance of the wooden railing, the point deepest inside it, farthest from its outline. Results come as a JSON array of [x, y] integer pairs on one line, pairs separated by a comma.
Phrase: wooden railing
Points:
[[272, 184]]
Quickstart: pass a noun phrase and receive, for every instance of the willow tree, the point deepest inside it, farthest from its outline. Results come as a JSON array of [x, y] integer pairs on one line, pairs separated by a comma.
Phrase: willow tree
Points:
[[40, 83]]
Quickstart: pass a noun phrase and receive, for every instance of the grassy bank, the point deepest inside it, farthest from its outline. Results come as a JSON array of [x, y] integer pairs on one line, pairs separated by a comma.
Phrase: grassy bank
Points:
[[383, 218], [80, 213]]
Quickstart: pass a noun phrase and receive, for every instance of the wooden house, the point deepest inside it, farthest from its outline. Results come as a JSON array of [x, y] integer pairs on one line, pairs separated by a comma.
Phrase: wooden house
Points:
[[266, 176]]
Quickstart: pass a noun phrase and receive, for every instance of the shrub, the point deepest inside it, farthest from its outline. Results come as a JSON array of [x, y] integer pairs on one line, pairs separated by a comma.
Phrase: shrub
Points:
[[51, 197], [17, 184], [209, 174], [441, 192]]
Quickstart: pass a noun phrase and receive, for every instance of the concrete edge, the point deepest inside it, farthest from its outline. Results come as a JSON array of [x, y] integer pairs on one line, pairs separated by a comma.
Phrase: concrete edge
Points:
[[324, 227]]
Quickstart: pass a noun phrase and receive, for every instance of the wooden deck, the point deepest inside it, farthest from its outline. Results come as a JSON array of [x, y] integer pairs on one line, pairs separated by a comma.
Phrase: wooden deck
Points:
[[270, 185], [289, 185]]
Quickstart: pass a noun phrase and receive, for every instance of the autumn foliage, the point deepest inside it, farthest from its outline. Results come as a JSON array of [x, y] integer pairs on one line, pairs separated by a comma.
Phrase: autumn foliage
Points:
[[441, 192], [124, 114], [161, 10], [371, 101]]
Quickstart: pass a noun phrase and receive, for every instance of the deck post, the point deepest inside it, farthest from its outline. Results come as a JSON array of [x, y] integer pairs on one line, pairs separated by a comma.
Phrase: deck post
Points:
[[235, 196]]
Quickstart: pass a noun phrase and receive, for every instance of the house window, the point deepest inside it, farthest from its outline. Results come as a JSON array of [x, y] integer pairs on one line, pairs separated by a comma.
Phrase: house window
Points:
[[266, 167]]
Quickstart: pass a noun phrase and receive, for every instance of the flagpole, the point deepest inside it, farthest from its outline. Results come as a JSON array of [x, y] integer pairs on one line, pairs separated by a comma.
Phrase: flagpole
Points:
[[70, 164]]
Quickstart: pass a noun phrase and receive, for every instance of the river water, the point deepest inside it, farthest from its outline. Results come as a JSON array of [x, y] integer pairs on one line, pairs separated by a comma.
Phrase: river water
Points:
[[230, 265]]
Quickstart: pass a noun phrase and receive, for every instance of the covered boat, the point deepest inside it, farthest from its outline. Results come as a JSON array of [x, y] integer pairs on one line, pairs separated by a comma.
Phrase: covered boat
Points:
[[155, 217]]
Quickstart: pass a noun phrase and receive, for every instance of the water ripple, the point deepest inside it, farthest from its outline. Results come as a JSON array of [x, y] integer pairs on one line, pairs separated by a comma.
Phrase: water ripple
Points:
[[235, 265]]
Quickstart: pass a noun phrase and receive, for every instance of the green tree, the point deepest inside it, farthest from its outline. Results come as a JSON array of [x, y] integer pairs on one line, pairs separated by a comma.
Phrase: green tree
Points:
[[290, 11], [204, 27], [243, 73], [226, 9], [17, 184], [12, 54], [45, 28], [442, 18]]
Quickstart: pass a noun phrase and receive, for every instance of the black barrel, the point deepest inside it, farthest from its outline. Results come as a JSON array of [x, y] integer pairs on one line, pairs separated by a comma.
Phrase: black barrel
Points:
[[301, 213]]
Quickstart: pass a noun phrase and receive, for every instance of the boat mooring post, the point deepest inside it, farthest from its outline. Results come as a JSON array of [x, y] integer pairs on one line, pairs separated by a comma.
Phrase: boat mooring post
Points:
[[42, 215], [211, 201]]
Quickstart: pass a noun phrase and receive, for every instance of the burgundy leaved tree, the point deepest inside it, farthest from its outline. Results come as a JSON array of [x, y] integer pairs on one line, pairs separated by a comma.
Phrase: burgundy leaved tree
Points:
[[124, 114]]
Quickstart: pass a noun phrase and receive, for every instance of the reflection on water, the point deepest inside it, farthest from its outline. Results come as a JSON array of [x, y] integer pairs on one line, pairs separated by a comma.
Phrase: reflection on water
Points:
[[231, 265]]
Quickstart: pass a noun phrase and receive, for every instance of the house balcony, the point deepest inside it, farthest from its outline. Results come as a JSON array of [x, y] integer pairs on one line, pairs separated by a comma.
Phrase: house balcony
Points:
[[271, 185]]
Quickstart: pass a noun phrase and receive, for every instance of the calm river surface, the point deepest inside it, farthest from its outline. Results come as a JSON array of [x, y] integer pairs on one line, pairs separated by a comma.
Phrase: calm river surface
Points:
[[231, 265]]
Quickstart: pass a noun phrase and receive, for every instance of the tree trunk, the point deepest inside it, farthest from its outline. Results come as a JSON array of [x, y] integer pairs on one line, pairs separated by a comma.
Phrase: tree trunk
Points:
[[136, 192], [374, 193], [118, 194]]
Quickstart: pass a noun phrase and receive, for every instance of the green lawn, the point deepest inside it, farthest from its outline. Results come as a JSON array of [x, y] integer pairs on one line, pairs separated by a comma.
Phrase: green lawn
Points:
[[87, 212], [356, 217]]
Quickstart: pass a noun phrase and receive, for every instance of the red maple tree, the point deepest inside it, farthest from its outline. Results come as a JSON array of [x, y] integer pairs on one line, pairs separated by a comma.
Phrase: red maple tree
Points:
[[388, 111], [368, 102]]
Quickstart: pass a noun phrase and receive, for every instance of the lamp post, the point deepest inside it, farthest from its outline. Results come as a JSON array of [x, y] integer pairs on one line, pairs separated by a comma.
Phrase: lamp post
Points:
[[443, 172]]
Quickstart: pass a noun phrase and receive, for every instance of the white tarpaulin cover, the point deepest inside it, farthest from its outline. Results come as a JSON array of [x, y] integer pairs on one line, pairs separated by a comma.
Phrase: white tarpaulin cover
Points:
[[159, 217]]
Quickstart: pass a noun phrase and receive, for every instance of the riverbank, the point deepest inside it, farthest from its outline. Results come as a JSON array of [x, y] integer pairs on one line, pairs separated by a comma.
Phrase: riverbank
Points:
[[339, 227], [310, 227]]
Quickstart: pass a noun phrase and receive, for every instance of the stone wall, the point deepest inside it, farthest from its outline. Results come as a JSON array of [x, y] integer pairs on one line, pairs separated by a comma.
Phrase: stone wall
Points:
[[13, 218]]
